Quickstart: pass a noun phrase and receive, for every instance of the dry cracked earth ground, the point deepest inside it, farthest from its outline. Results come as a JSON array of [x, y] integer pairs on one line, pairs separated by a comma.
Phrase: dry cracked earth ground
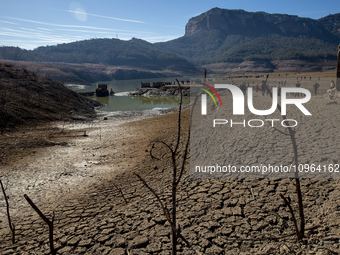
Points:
[[218, 216]]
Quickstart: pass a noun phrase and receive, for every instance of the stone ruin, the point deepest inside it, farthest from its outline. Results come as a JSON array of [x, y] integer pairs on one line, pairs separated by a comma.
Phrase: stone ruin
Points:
[[101, 90], [145, 84]]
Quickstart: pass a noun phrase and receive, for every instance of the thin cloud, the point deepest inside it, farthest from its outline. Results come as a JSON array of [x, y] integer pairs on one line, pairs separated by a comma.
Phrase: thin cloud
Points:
[[8, 22], [76, 26], [83, 31], [110, 31], [105, 17], [45, 29], [97, 32], [41, 37], [38, 36], [34, 30], [58, 25]]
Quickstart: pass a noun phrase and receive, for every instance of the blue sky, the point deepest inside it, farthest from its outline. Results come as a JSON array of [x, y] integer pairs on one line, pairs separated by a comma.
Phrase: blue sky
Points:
[[32, 23]]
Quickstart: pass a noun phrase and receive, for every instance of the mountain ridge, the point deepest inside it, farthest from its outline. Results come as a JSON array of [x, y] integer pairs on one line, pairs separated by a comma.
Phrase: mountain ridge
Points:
[[222, 35], [134, 53], [216, 36]]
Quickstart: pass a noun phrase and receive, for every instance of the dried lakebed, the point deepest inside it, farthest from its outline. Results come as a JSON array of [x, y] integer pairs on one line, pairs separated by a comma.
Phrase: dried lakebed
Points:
[[218, 216]]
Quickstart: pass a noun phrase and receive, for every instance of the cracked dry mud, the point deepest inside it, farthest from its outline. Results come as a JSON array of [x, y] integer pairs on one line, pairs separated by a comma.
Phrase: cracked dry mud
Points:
[[215, 215]]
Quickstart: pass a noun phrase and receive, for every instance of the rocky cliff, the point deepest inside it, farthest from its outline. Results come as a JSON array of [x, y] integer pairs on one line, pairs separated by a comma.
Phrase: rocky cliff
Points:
[[221, 35], [260, 23]]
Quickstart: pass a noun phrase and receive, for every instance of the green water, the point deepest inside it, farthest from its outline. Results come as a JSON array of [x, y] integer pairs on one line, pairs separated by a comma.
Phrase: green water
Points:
[[128, 85], [126, 103]]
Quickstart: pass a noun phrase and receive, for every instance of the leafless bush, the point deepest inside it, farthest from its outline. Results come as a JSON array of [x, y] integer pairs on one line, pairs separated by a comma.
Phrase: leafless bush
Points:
[[177, 173]]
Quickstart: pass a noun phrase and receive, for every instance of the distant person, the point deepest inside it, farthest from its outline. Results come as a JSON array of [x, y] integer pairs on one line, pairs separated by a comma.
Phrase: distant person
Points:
[[316, 86], [256, 87], [263, 87], [268, 89], [332, 85], [298, 85]]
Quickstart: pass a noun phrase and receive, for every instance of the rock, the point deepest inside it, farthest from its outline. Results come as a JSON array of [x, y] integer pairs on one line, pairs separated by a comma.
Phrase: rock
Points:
[[214, 250], [73, 241], [85, 242], [65, 250], [117, 251], [138, 242]]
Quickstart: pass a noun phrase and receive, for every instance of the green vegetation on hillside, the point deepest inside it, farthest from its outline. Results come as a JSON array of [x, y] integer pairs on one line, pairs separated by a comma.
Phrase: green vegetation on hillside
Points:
[[133, 53], [208, 47]]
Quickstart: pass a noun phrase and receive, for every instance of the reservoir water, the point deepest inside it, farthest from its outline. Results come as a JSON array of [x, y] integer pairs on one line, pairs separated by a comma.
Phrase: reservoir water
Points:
[[121, 102]]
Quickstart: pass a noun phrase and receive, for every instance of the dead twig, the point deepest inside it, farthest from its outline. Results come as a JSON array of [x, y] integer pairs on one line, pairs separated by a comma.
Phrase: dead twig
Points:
[[165, 210], [11, 225], [121, 192], [301, 232], [48, 222], [292, 213]]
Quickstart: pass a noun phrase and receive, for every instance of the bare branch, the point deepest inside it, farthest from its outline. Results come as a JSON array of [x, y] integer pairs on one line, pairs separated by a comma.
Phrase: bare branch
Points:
[[187, 144], [165, 210], [293, 216], [297, 180], [11, 225], [48, 222], [153, 147], [121, 192], [188, 244], [179, 117], [184, 158]]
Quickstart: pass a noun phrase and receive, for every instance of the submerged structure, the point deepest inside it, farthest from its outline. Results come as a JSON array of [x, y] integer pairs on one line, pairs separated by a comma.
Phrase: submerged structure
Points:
[[145, 84], [101, 90]]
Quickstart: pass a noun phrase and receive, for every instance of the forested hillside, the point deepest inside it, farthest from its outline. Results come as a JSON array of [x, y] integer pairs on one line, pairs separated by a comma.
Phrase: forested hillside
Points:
[[115, 52]]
